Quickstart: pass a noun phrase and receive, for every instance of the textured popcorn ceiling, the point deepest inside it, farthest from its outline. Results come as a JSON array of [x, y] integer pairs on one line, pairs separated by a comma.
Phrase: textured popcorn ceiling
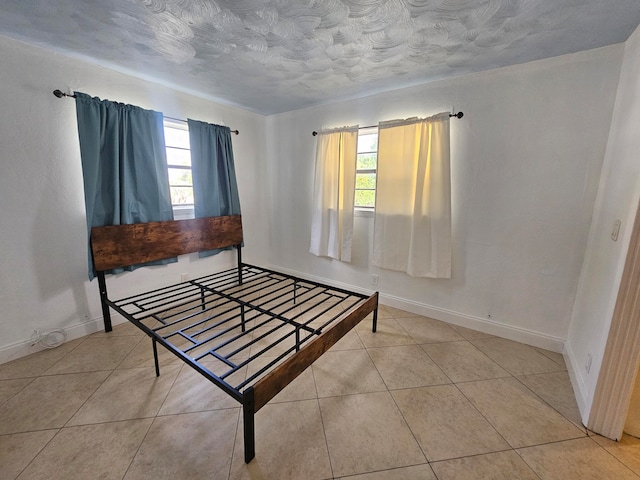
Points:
[[271, 56]]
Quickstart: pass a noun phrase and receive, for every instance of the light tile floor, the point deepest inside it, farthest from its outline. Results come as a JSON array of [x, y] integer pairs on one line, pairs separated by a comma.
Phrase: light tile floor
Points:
[[419, 399]]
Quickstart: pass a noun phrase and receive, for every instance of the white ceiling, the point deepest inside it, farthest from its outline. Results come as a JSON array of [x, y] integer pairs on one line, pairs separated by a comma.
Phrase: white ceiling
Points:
[[271, 56]]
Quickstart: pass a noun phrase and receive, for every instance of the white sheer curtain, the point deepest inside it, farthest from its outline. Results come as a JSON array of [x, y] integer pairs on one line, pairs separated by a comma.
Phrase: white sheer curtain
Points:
[[333, 193], [412, 231]]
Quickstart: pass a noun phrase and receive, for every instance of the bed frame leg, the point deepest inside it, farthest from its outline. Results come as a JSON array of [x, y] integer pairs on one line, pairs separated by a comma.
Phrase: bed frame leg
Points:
[[239, 249], [295, 290], [249, 429], [202, 298], [106, 315], [375, 317], [155, 356]]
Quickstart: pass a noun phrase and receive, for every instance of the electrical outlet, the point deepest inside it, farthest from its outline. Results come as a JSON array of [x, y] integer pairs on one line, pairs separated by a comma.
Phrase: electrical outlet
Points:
[[375, 279]]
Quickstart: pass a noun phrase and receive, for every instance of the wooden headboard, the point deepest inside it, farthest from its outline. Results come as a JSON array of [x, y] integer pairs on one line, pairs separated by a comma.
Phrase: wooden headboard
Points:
[[123, 245]]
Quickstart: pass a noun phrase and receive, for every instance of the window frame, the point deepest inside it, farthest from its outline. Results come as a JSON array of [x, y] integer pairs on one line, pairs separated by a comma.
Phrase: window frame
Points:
[[180, 211], [362, 210]]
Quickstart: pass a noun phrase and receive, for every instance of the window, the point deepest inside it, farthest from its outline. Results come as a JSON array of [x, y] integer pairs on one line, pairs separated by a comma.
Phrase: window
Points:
[[176, 137], [366, 168]]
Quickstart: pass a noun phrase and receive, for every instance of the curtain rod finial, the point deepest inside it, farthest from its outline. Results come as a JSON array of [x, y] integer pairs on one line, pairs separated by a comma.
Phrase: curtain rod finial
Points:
[[314, 133], [60, 94]]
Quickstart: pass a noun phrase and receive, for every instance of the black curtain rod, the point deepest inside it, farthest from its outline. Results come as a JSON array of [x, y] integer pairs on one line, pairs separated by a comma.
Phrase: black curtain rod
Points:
[[457, 115], [61, 94]]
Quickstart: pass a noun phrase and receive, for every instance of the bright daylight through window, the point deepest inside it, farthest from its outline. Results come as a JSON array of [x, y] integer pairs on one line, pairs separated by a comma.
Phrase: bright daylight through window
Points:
[[366, 166], [176, 137]]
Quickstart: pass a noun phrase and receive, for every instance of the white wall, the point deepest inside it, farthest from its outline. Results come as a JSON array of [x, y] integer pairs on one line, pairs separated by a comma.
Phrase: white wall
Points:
[[43, 279], [604, 259], [526, 160], [526, 163]]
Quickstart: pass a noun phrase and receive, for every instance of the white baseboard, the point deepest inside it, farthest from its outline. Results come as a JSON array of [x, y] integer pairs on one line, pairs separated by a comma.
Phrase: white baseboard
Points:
[[80, 329], [510, 332], [577, 381], [529, 337]]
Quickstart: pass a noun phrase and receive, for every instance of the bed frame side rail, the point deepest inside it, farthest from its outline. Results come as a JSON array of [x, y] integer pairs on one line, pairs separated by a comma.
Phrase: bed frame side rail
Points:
[[257, 396]]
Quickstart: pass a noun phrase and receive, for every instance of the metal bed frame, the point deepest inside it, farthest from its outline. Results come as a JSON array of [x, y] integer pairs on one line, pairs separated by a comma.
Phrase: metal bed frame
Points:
[[249, 330]]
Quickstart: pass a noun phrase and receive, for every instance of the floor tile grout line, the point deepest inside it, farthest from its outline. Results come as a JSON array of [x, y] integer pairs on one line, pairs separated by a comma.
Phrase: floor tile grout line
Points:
[[413, 434], [535, 349], [157, 413], [235, 443], [117, 367], [83, 339], [389, 389], [156, 416], [474, 455], [581, 427], [66, 424], [399, 409], [31, 380], [324, 429], [378, 370], [614, 457], [59, 429], [479, 351], [324, 435], [39, 451], [135, 454], [543, 444], [496, 429], [481, 414], [219, 409], [434, 362], [552, 442], [169, 388], [530, 467], [514, 450], [388, 470], [543, 350]]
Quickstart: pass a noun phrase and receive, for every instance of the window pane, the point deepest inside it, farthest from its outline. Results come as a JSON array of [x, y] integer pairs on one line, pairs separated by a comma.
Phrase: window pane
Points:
[[368, 143], [367, 161], [365, 198], [180, 176], [176, 137], [178, 157], [182, 195], [366, 166], [365, 180]]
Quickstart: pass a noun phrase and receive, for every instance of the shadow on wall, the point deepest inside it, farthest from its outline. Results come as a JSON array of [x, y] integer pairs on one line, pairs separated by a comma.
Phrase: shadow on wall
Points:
[[58, 245]]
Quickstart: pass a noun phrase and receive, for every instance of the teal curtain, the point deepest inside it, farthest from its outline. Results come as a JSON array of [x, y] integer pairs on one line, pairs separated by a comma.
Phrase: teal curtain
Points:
[[215, 191], [124, 166]]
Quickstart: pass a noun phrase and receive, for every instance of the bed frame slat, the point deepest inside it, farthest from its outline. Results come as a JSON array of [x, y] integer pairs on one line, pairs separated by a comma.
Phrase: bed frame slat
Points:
[[123, 245]]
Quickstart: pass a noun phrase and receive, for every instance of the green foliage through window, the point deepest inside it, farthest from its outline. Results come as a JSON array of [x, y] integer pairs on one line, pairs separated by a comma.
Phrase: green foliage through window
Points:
[[366, 169], [176, 137]]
